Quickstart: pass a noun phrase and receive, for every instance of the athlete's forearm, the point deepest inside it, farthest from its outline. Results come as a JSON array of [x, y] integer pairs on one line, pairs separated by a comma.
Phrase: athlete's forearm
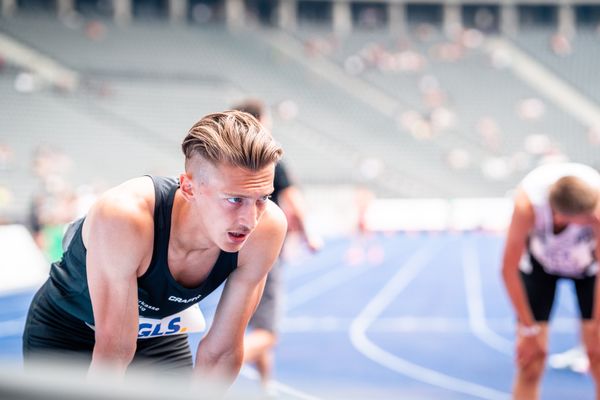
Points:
[[111, 356], [220, 368]]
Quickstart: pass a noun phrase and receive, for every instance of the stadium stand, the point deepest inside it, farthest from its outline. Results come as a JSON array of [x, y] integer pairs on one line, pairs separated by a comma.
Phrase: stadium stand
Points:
[[450, 122]]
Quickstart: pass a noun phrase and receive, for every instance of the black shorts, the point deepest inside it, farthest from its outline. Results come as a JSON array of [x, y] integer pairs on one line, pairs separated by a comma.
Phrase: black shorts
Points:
[[541, 288], [52, 333]]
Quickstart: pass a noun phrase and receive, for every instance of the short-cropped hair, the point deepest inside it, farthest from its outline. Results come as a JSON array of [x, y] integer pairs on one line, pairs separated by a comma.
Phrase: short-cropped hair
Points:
[[232, 137], [572, 196]]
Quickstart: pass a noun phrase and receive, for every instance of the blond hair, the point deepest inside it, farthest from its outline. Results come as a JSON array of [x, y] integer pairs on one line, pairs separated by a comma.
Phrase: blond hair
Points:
[[572, 196], [232, 137]]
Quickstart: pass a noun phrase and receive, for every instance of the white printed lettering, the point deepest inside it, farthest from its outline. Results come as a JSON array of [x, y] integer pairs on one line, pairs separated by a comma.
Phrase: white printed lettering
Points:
[[185, 301]]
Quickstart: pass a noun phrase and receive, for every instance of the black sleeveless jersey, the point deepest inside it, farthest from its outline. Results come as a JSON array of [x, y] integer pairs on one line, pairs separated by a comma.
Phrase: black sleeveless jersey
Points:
[[159, 294]]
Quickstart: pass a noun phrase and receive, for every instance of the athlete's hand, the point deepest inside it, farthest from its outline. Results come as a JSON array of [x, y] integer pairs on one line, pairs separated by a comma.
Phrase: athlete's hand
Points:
[[529, 349]]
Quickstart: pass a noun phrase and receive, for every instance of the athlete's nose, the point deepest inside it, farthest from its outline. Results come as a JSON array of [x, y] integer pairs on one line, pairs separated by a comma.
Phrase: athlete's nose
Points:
[[249, 216]]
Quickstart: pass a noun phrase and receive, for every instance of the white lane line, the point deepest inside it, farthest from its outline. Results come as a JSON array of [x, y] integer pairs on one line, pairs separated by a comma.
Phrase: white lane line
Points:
[[407, 324], [477, 320], [378, 304], [323, 284], [279, 387], [13, 327], [331, 280]]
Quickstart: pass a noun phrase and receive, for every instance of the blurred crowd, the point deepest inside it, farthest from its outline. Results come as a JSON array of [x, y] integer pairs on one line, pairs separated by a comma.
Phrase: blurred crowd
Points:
[[436, 112], [428, 117], [56, 202]]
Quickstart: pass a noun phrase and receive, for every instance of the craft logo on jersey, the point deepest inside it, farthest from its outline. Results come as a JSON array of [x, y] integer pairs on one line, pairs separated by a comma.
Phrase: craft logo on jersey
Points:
[[185, 301]]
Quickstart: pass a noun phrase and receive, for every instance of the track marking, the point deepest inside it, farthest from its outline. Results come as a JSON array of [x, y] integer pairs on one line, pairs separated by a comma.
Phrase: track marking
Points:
[[379, 303], [323, 284], [410, 324], [476, 308], [333, 279]]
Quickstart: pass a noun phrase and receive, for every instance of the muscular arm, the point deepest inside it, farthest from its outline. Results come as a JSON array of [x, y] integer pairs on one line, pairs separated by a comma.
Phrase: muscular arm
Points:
[[521, 224], [220, 353], [116, 237]]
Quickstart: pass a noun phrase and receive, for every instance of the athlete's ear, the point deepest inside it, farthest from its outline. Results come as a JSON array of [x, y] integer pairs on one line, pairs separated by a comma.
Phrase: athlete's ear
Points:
[[186, 186]]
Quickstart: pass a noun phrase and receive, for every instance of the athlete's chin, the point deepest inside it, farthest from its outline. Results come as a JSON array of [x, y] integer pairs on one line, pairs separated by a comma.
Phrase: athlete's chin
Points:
[[231, 248]]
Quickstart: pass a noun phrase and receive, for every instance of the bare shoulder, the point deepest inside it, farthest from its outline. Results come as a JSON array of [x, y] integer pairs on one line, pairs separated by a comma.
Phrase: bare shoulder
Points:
[[273, 220], [267, 239], [523, 214], [522, 203], [126, 209]]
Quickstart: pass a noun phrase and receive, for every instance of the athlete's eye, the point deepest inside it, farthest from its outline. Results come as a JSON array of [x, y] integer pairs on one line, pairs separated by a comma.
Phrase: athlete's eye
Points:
[[235, 200], [264, 199]]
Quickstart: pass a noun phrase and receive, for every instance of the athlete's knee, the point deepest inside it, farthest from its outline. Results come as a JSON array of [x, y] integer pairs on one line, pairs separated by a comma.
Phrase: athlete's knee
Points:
[[274, 340], [270, 337], [532, 373], [260, 339], [591, 342], [532, 368]]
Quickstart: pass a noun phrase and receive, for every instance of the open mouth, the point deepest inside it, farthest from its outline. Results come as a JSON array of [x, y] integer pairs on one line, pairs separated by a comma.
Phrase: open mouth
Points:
[[237, 236]]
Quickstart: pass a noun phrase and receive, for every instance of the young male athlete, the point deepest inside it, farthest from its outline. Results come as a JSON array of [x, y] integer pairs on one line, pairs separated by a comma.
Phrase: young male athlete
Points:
[[260, 342], [152, 247], [553, 235]]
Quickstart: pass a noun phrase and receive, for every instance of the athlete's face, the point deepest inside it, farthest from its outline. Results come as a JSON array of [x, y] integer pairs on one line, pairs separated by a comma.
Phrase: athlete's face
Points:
[[233, 200]]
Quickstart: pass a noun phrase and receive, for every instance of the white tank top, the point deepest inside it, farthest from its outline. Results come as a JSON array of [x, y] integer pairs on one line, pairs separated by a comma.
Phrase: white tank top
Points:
[[571, 252]]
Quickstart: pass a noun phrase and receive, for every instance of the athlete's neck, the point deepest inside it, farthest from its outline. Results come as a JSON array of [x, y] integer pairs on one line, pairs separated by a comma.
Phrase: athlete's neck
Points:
[[187, 232]]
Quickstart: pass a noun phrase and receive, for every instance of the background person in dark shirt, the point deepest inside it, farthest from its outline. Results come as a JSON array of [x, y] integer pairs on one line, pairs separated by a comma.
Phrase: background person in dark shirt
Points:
[[260, 342]]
